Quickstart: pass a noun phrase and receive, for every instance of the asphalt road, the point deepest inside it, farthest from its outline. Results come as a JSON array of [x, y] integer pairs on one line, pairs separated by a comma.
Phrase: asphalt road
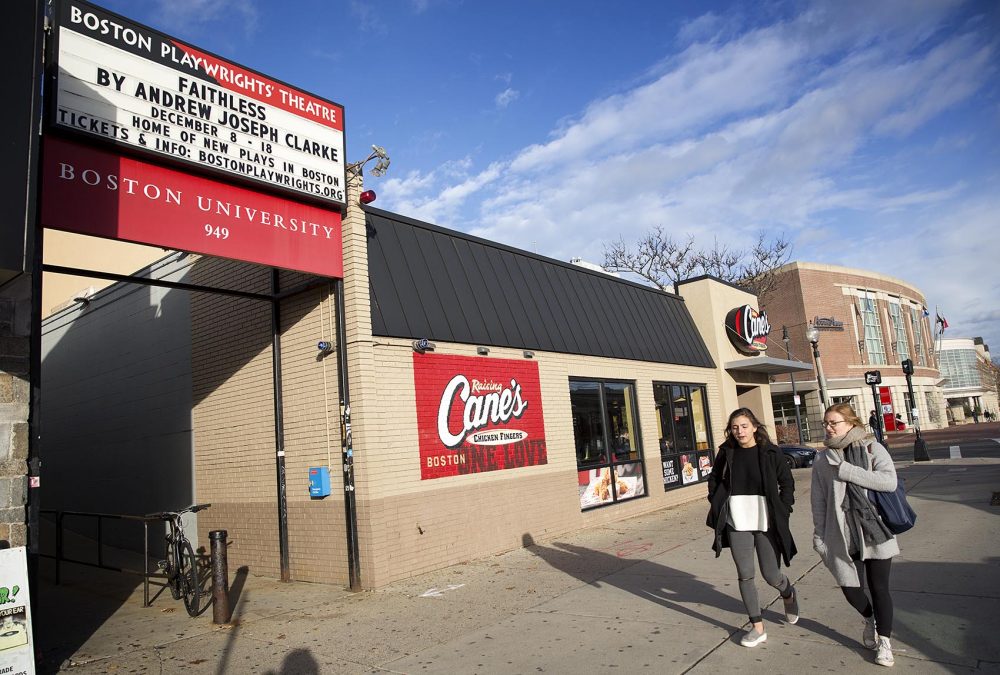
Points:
[[966, 441]]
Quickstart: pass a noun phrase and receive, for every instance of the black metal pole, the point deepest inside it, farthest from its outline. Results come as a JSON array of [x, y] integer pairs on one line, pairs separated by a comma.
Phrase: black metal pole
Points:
[[791, 376], [347, 443], [820, 378], [879, 433], [220, 576], [919, 444], [279, 430]]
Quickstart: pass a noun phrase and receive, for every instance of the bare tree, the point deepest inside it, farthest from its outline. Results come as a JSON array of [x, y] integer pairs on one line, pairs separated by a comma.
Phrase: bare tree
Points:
[[658, 258]]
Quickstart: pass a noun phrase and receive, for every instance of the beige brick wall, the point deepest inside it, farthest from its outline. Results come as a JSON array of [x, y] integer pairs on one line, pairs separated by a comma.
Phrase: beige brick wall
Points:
[[405, 525], [233, 420], [415, 525]]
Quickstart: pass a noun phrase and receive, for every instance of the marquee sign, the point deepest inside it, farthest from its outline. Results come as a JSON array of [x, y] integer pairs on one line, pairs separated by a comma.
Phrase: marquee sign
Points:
[[477, 414], [127, 84], [747, 330]]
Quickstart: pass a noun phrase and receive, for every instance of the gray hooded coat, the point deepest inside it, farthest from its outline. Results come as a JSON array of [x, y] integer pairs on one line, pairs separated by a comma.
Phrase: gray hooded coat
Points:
[[829, 485]]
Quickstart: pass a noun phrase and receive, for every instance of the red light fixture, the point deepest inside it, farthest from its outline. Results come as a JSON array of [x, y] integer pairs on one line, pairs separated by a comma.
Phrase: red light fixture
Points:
[[367, 197]]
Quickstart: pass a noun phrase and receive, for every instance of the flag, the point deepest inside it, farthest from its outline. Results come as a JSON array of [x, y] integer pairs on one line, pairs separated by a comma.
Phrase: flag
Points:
[[926, 313], [941, 320]]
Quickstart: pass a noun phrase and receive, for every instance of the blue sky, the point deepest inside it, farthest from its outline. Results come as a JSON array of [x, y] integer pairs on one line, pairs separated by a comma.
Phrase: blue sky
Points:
[[868, 133]]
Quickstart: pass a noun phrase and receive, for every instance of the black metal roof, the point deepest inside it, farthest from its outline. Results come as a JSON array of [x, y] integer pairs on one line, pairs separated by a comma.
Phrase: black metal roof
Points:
[[429, 282]]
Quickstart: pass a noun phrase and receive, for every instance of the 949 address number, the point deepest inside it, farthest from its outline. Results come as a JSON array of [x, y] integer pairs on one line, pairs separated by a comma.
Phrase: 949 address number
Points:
[[217, 232]]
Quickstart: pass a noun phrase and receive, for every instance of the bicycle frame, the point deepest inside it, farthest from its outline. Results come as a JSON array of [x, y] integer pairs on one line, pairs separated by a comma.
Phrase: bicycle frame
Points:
[[181, 564]]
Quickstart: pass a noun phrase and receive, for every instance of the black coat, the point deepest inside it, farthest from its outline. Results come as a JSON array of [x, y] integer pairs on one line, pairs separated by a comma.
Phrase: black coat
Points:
[[779, 491]]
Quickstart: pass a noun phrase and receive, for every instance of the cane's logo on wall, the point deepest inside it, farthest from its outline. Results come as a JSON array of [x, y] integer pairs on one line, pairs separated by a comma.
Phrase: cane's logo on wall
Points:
[[747, 329], [477, 414]]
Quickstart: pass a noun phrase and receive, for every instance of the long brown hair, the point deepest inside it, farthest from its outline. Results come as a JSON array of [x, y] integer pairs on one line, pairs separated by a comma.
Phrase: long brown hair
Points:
[[760, 435], [847, 412]]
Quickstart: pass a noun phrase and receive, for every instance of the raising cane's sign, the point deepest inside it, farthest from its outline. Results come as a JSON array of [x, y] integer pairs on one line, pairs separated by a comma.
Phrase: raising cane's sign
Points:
[[476, 415], [747, 330]]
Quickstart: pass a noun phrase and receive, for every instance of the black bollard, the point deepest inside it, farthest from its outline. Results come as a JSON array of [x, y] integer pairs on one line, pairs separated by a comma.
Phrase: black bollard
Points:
[[220, 577], [920, 449]]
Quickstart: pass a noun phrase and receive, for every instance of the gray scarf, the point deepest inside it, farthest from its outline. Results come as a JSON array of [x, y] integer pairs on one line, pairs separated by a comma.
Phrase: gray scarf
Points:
[[859, 511]]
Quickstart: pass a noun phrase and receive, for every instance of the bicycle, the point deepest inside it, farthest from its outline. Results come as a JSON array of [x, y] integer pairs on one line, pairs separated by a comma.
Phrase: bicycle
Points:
[[181, 565]]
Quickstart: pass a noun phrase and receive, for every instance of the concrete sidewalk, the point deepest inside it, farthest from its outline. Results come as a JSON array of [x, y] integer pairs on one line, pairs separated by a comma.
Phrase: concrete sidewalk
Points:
[[646, 594]]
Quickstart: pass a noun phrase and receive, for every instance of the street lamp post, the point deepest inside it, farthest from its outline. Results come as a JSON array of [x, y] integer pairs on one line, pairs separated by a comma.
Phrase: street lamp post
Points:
[[791, 376], [812, 334]]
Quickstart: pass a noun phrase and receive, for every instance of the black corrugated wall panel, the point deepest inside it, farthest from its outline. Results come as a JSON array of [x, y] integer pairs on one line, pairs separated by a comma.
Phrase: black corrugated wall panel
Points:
[[430, 282]]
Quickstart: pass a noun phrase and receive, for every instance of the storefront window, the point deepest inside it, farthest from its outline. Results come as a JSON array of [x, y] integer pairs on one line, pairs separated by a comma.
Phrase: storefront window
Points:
[[606, 431], [902, 345], [685, 438], [915, 329], [873, 330], [785, 421]]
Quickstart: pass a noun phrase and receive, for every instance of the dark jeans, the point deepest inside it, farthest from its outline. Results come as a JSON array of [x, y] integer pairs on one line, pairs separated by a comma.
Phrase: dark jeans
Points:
[[876, 572], [742, 546]]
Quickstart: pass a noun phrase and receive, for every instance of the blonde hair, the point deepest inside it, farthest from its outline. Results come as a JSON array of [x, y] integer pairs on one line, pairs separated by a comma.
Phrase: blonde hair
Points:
[[847, 412]]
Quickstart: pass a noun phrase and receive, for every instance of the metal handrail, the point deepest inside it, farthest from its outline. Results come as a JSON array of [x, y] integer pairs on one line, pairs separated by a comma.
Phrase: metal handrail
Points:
[[101, 517]]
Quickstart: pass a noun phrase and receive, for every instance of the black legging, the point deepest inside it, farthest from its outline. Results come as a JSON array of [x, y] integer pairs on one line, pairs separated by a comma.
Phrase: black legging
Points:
[[877, 573]]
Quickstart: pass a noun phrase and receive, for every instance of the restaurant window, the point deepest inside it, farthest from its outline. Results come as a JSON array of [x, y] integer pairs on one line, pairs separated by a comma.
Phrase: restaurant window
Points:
[[685, 433], [606, 432]]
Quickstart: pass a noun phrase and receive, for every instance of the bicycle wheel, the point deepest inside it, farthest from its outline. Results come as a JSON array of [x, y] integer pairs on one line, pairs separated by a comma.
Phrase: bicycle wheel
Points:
[[172, 570], [187, 574]]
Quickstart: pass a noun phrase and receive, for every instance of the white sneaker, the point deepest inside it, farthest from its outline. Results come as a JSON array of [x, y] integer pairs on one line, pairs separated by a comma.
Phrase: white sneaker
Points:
[[753, 637], [883, 654], [868, 638]]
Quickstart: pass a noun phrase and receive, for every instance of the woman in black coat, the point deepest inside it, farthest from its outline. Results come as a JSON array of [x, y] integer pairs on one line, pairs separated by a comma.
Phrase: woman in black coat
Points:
[[751, 490]]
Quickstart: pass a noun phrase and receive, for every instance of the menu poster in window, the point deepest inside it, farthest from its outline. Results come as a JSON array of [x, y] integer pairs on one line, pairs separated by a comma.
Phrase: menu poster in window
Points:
[[705, 463], [16, 642], [476, 414], [689, 474], [595, 487], [630, 483], [671, 473]]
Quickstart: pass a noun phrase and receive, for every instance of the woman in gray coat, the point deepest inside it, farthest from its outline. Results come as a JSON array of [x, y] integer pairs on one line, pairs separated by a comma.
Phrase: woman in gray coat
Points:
[[847, 531]]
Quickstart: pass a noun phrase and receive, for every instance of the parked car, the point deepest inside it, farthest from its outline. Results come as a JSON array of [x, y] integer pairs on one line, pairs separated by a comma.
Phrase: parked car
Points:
[[798, 456]]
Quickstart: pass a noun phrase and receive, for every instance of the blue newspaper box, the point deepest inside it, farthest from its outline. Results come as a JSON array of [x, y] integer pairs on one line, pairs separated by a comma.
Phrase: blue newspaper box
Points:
[[319, 481]]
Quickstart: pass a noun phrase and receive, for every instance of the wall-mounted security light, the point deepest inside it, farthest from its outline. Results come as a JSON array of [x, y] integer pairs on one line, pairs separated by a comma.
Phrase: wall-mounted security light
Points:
[[324, 346], [482, 351], [423, 345], [367, 197], [527, 354]]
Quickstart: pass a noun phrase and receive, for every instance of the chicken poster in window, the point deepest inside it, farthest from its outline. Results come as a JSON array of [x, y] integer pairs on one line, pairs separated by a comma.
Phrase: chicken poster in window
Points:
[[595, 487], [705, 463], [671, 472], [629, 483], [689, 473], [477, 414]]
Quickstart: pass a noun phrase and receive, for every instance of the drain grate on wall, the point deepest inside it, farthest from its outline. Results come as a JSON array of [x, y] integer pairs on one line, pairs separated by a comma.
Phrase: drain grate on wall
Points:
[[996, 499]]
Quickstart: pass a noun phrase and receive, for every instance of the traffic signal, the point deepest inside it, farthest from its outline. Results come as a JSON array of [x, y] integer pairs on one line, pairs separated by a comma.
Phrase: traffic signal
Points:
[[908, 366]]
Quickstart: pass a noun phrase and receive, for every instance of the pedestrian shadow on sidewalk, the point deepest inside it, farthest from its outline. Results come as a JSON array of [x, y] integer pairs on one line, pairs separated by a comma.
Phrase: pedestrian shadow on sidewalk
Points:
[[672, 589], [297, 662]]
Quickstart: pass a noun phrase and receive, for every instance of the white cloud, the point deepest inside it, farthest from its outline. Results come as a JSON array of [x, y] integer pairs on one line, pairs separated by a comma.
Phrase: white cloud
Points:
[[792, 127], [506, 97]]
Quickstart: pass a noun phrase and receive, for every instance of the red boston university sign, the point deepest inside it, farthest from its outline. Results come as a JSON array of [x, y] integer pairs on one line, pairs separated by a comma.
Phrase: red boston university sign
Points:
[[477, 414], [100, 193]]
